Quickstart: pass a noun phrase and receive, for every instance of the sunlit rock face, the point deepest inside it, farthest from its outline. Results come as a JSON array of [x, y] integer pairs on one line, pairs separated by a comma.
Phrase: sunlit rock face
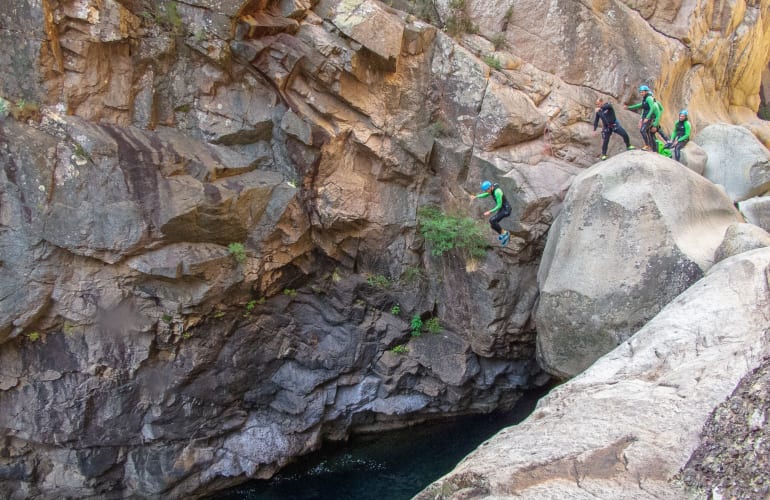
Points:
[[210, 256]]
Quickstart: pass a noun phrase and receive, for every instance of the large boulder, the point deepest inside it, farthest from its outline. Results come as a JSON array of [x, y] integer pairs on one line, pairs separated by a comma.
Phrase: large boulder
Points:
[[757, 211], [736, 160], [634, 232], [369, 24], [507, 117], [741, 238], [626, 426], [117, 266], [694, 157]]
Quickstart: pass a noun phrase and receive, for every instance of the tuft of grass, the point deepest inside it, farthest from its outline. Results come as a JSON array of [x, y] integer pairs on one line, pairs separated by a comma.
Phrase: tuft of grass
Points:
[[167, 15], [33, 336], [411, 274], [250, 305], [416, 325], [423, 9], [493, 62], [445, 232], [437, 129], [238, 251], [395, 310], [499, 41], [433, 325], [400, 349], [379, 281], [290, 292], [24, 111], [459, 22], [80, 151]]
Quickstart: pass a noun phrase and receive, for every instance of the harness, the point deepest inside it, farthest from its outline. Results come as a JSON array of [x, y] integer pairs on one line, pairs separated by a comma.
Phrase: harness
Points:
[[679, 129], [607, 114], [505, 205]]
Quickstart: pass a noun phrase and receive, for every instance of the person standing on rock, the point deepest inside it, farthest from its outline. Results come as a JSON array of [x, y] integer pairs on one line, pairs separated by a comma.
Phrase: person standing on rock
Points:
[[681, 134], [657, 115], [648, 109], [501, 210], [606, 113]]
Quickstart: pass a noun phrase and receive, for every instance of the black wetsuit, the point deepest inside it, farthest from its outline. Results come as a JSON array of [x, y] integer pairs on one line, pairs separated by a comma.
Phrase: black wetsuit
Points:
[[502, 208], [610, 124]]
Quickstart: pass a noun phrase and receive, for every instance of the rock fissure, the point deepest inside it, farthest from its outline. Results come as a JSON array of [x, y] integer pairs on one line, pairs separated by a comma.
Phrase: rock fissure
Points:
[[202, 361]]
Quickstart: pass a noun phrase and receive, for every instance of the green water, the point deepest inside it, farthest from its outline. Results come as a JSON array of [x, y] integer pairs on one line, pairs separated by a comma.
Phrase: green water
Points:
[[394, 465]]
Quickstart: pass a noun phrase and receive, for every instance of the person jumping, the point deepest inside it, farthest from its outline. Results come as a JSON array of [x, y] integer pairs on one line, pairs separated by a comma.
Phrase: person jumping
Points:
[[648, 111], [610, 124], [501, 210]]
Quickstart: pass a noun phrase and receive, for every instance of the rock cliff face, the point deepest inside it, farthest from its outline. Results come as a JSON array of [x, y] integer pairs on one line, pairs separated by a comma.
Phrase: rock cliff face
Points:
[[626, 426], [209, 248]]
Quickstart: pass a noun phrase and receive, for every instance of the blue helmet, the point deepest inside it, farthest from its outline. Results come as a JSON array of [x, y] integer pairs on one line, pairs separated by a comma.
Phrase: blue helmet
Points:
[[644, 88], [485, 185], [683, 112]]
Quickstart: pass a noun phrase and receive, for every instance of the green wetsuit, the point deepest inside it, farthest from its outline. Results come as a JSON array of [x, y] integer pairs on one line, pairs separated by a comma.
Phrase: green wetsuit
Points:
[[502, 209], [648, 112], [647, 106], [498, 199], [682, 131], [658, 114]]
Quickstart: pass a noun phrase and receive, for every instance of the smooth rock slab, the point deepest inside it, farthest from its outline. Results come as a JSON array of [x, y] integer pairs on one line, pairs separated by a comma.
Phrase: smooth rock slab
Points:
[[634, 232], [628, 424], [757, 211], [741, 238], [736, 160]]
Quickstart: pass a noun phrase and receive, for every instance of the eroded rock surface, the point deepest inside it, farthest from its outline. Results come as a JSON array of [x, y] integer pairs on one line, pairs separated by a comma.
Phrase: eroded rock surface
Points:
[[627, 425], [142, 353], [623, 246], [732, 460], [736, 160], [741, 238]]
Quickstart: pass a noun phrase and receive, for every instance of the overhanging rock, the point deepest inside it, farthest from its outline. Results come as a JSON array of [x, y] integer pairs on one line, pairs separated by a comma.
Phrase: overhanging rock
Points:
[[372, 26]]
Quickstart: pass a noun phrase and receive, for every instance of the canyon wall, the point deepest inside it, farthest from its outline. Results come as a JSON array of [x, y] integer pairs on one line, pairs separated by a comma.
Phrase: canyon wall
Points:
[[210, 256]]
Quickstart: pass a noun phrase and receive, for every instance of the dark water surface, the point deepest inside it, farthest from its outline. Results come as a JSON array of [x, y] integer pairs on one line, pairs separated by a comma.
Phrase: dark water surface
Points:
[[394, 465]]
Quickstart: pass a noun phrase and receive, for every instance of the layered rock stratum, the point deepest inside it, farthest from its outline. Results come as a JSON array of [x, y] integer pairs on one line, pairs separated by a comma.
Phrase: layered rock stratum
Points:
[[210, 255]]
